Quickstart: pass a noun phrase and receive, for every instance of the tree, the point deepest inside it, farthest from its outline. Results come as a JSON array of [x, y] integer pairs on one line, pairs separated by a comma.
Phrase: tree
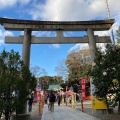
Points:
[[45, 81], [106, 75], [62, 70], [37, 71], [78, 64], [15, 82], [118, 37]]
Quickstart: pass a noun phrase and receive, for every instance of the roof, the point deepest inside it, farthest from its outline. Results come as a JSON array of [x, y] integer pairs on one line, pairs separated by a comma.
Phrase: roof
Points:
[[54, 87]]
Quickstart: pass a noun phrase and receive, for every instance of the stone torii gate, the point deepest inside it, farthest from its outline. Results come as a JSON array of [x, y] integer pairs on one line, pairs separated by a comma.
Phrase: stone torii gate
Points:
[[31, 25]]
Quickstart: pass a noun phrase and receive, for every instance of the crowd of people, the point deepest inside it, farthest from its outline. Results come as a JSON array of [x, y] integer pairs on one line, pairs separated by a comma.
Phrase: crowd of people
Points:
[[51, 98]]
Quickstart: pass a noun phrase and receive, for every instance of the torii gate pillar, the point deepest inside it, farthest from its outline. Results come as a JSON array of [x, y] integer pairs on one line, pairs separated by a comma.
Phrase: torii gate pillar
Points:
[[26, 47], [92, 44]]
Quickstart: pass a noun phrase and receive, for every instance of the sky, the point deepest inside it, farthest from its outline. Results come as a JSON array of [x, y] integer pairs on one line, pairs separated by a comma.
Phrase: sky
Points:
[[48, 56]]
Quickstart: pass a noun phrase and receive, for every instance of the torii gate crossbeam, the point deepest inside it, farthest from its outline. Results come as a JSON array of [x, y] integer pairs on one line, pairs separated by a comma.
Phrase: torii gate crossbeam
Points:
[[59, 26]]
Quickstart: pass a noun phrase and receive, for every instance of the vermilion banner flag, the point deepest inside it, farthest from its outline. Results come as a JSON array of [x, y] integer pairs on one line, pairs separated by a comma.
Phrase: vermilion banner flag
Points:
[[66, 88], [83, 83], [38, 95], [66, 91]]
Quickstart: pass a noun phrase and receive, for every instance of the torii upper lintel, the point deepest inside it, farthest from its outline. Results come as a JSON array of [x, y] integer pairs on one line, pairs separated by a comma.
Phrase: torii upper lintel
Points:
[[17, 24]]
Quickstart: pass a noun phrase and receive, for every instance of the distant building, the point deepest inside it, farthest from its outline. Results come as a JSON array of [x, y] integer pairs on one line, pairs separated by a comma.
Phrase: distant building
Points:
[[55, 87]]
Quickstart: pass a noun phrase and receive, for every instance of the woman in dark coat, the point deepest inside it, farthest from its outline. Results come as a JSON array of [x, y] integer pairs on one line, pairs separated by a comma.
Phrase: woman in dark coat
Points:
[[59, 99]]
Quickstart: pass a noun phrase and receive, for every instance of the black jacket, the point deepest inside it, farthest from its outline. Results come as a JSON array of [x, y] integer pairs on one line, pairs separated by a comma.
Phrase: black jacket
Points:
[[52, 98]]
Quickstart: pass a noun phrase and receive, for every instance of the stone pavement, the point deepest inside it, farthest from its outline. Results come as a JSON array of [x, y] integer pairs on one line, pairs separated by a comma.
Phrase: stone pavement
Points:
[[60, 113], [35, 112]]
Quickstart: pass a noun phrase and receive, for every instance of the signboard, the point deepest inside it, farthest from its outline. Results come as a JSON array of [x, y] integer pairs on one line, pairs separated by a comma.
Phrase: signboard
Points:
[[83, 83], [38, 87], [96, 104], [71, 89]]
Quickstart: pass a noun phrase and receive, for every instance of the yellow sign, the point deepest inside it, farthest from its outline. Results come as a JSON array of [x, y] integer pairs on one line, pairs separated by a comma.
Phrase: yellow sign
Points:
[[98, 104]]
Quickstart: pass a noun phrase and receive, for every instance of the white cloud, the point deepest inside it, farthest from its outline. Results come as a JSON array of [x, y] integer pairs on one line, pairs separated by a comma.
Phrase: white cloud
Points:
[[1, 42], [114, 28], [3, 34], [69, 10], [8, 33], [64, 10], [117, 23], [102, 33], [74, 48], [56, 45], [44, 33], [77, 47], [7, 3], [78, 10], [10, 3]]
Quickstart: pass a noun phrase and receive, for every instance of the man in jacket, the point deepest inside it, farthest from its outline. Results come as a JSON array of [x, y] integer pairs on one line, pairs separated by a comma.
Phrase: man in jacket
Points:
[[52, 100]]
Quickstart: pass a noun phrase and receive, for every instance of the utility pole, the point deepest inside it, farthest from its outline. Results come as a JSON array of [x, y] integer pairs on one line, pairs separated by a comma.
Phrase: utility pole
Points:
[[107, 8], [108, 12]]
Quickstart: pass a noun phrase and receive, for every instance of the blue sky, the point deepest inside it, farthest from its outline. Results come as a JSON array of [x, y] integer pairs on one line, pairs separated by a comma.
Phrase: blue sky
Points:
[[48, 56]]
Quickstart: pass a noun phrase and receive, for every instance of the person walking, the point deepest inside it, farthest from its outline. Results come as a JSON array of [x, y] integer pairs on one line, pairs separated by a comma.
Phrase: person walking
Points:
[[52, 100], [48, 101], [30, 101], [59, 99]]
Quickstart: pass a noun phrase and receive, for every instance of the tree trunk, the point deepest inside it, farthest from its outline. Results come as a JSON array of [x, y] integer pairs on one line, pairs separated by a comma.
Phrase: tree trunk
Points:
[[0, 114], [119, 107], [7, 114]]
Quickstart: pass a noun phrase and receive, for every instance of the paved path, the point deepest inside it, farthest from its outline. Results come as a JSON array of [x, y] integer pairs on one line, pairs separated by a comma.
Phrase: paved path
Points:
[[35, 112], [65, 113]]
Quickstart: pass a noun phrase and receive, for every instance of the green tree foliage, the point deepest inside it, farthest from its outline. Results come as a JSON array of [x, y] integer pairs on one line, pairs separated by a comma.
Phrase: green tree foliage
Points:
[[78, 64], [15, 77], [106, 75]]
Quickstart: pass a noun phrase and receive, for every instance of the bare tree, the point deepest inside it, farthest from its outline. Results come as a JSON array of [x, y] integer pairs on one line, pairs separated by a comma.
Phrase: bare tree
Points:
[[62, 70], [37, 71]]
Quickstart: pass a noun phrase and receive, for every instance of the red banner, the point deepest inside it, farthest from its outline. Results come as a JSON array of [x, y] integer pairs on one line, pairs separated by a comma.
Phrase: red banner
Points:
[[66, 91], [83, 83], [66, 88], [38, 95], [66, 94]]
